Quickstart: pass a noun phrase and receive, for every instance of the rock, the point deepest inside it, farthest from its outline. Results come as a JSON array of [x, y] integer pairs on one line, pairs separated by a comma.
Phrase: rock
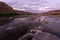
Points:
[[51, 25], [44, 36], [27, 36], [6, 20], [16, 29]]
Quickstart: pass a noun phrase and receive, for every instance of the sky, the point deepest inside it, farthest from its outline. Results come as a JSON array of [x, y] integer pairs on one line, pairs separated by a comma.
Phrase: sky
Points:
[[33, 5]]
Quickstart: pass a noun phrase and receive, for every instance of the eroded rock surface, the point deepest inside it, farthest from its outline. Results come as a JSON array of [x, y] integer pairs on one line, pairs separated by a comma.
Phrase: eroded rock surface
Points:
[[45, 36], [51, 25]]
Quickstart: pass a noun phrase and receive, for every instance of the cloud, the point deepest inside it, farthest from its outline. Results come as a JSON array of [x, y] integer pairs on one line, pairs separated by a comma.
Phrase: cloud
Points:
[[27, 4]]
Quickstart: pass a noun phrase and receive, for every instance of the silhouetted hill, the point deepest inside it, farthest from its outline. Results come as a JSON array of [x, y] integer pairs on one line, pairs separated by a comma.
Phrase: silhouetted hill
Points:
[[4, 8], [52, 12], [23, 12], [6, 13]]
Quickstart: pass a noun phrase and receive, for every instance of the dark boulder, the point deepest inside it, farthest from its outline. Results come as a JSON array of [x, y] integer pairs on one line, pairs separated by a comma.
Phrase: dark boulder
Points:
[[44, 36]]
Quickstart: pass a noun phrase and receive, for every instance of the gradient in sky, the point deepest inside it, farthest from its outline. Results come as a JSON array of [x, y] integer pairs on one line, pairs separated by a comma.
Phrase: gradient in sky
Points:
[[33, 4]]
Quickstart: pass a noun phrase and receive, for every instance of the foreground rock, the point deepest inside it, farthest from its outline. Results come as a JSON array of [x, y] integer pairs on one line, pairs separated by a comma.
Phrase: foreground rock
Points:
[[16, 28], [38, 34], [6, 20], [27, 36], [44, 36], [51, 25]]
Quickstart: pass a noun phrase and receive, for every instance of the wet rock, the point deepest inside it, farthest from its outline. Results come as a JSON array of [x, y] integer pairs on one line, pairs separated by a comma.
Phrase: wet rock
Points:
[[16, 28], [51, 25], [5, 20], [23, 12], [27, 36], [44, 36]]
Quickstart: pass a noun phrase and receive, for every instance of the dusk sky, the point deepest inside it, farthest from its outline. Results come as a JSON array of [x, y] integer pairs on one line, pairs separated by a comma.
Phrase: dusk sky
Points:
[[33, 4]]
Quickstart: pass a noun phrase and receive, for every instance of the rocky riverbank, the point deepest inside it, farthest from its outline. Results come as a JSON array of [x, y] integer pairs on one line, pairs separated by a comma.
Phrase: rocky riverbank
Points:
[[20, 25]]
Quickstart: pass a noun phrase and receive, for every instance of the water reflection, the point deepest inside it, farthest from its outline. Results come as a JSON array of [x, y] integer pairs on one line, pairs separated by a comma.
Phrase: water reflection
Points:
[[50, 24]]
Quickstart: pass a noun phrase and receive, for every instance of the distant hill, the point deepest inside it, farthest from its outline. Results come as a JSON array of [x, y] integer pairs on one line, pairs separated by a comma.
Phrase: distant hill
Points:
[[53, 12], [23, 12], [4, 8]]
